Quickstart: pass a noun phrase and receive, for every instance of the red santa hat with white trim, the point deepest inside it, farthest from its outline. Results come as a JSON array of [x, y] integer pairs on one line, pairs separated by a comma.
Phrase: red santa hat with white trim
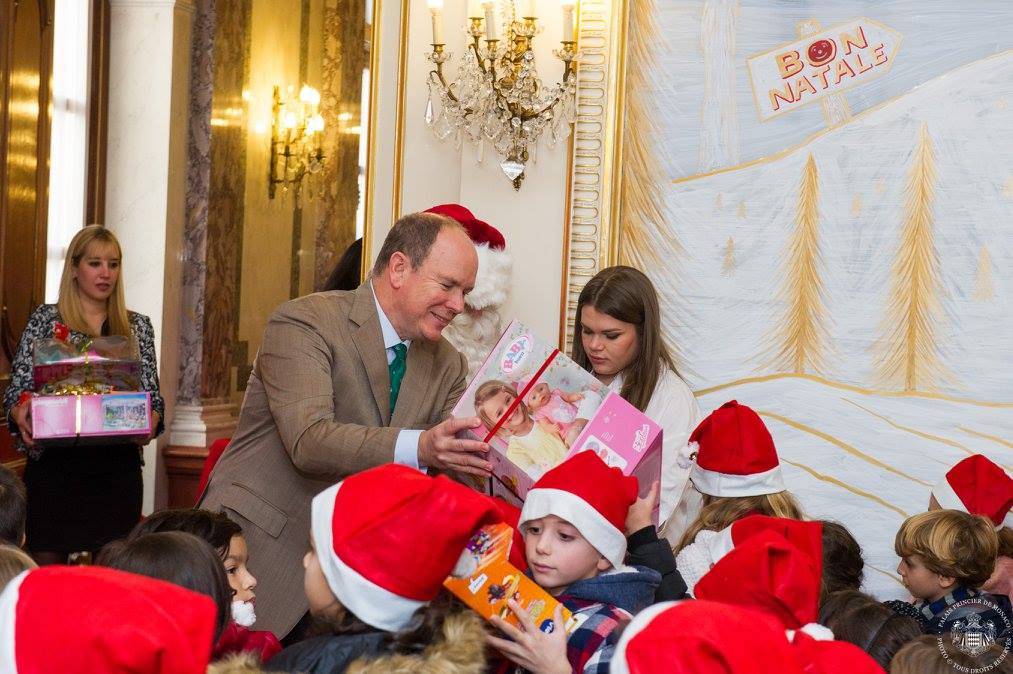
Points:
[[95, 620], [697, 559], [732, 454], [389, 536], [492, 282], [592, 497], [977, 486], [769, 574], [703, 637]]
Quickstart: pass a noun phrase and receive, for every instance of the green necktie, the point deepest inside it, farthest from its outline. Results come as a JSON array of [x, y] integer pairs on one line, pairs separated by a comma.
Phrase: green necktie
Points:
[[396, 369]]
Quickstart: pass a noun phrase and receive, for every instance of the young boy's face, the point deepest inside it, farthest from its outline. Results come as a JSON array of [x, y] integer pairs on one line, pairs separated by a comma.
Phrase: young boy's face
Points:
[[922, 582], [558, 555]]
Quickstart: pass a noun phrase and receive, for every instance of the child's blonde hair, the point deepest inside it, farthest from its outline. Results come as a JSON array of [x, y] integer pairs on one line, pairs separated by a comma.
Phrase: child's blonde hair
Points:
[[720, 512], [488, 390], [12, 562], [951, 543]]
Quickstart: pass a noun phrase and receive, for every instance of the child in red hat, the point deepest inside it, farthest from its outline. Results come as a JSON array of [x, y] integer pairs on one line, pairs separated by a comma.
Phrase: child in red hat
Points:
[[979, 486], [734, 465], [572, 522], [383, 541]]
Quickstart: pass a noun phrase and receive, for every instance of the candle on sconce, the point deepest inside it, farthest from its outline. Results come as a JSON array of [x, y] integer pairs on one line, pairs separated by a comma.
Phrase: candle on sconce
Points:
[[528, 9], [474, 9], [490, 20], [436, 14], [567, 6]]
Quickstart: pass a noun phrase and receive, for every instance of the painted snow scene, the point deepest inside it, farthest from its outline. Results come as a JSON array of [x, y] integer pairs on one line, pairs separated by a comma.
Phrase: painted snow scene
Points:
[[827, 211]]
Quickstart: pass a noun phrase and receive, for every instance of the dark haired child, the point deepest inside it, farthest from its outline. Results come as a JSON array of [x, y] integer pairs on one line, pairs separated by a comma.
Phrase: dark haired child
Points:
[[13, 508]]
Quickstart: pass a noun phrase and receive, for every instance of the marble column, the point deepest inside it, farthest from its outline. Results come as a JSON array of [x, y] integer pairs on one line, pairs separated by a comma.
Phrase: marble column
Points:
[[149, 75], [214, 218]]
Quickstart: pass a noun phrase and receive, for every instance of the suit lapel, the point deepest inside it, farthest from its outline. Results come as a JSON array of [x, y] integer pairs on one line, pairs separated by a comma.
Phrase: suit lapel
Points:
[[415, 384], [368, 340]]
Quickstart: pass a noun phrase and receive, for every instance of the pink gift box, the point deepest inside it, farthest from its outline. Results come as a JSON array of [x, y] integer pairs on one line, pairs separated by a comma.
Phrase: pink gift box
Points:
[[531, 436], [91, 419]]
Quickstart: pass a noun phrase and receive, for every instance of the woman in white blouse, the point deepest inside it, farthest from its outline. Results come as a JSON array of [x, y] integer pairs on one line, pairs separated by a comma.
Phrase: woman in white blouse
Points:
[[618, 337]]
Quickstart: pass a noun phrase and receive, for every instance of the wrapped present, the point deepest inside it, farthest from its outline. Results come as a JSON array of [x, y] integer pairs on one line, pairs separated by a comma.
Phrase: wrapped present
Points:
[[91, 418], [538, 407], [93, 365], [491, 581]]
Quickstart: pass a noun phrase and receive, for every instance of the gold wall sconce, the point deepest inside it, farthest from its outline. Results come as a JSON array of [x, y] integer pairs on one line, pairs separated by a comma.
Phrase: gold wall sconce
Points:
[[297, 135]]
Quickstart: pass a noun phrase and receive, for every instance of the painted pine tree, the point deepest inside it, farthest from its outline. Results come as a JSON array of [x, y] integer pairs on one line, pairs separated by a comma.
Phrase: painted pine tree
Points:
[[728, 264], [800, 335], [909, 354], [983, 288]]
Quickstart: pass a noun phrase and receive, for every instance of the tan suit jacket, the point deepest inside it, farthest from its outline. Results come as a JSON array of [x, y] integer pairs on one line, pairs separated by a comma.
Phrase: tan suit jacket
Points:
[[316, 410]]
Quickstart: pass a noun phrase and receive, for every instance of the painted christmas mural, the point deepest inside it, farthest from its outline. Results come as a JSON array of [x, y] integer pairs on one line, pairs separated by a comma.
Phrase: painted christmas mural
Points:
[[826, 206]]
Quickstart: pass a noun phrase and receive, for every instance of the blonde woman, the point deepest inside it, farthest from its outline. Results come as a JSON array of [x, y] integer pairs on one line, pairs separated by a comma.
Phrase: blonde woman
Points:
[[82, 497]]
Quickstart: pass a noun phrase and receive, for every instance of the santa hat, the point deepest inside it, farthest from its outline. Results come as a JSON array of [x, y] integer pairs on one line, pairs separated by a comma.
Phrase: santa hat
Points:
[[977, 486], [830, 657], [697, 558], [492, 283], [703, 637], [734, 454], [93, 620], [592, 497], [769, 574], [388, 537]]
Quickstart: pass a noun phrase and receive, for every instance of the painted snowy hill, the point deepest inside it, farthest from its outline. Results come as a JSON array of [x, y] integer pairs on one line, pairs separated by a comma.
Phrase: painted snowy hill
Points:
[[890, 236]]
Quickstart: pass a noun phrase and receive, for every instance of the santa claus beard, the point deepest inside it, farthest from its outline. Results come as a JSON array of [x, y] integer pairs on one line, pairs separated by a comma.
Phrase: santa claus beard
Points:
[[474, 333]]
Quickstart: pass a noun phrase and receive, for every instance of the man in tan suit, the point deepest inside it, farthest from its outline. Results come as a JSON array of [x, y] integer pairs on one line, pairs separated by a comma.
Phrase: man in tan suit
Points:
[[345, 381]]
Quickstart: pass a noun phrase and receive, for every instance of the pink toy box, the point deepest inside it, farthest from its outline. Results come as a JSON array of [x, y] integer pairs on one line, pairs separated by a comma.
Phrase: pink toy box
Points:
[[539, 407], [91, 419]]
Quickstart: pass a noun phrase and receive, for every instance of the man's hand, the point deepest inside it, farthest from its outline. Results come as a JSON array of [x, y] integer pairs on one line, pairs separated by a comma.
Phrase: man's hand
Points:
[[530, 648], [440, 448]]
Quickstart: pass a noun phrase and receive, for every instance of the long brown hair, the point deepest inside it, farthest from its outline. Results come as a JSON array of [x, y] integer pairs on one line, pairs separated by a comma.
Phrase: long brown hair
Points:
[[719, 512], [627, 295], [69, 304]]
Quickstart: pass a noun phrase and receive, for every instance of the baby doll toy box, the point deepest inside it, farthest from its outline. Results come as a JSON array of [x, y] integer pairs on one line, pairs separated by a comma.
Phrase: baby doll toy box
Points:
[[538, 407], [91, 419], [492, 581]]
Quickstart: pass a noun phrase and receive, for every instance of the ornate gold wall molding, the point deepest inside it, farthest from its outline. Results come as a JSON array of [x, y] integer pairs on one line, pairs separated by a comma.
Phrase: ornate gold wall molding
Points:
[[592, 232]]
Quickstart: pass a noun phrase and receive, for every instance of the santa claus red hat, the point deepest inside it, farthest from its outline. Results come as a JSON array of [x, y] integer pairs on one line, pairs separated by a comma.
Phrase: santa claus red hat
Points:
[[769, 574], [697, 558], [95, 620], [388, 537], [492, 283], [832, 657], [511, 514], [592, 497], [734, 454], [977, 486], [703, 637]]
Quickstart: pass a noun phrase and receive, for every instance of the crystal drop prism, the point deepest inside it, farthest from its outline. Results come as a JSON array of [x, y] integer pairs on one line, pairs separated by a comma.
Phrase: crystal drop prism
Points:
[[512, 168], [429, 111]]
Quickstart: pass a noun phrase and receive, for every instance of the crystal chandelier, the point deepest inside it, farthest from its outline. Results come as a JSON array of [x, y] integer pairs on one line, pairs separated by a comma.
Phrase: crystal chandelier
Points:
[[498, 96]]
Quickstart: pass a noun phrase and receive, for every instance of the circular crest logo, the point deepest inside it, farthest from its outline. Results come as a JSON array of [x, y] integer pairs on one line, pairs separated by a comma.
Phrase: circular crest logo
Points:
[[975, 628], [516, 353]]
